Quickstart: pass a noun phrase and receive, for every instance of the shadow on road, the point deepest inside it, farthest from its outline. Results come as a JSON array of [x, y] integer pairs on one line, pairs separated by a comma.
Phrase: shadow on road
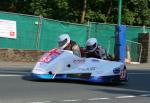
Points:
[[139, 83]]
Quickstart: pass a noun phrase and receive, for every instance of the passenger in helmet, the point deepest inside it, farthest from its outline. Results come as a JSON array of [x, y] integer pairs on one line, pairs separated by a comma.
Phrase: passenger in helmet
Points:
[[65, 43], [95, 50]]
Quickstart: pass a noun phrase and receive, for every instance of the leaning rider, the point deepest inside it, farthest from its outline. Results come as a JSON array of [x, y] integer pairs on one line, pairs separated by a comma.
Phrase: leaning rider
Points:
[[95, 50], [65, 43]]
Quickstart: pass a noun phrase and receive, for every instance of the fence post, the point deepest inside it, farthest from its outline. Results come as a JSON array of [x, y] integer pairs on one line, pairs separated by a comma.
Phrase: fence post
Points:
[[39, 32], [88, 30]]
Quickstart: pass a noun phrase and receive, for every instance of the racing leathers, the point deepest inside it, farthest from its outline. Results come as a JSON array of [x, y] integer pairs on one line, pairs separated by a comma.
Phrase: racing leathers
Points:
[[72, 46], [99, 53]]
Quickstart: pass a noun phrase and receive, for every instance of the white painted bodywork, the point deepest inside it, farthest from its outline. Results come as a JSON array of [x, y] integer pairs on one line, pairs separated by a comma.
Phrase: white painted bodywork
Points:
[[65, 62]]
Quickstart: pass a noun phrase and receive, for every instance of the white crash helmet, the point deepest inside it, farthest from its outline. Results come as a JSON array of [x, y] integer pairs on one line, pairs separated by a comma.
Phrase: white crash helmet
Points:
[[63, 41], [91, 44]]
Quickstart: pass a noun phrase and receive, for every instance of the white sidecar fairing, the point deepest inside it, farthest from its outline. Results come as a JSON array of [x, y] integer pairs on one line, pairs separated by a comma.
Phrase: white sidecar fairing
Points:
[[62, 64]]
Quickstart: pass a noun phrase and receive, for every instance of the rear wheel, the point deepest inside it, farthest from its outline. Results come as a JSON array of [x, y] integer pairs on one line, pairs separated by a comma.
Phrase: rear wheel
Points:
[[123, 75]]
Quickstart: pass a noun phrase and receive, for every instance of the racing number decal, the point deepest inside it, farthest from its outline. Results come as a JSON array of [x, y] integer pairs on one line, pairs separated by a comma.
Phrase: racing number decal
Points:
[[123, 74], [54, 51], [45, 59], [51, 55]]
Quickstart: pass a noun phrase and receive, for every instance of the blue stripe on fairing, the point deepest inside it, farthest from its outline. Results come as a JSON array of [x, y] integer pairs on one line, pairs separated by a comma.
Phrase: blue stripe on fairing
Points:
[[48, 76], [105, 79], [42, 76], [102, 79]]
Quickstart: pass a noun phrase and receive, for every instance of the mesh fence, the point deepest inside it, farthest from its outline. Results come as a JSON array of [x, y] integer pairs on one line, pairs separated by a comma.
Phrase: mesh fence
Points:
[[135, 49], [105, 35], [37, 33], [26, 30], [52, 29]]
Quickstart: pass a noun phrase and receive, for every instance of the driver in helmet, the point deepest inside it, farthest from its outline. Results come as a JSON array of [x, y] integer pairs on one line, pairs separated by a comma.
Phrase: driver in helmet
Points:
[[65, 43], [95, 50]]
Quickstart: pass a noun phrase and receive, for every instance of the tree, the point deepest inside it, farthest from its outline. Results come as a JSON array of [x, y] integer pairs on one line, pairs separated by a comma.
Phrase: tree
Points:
[[135, 12], [40, 7], [84, 11]]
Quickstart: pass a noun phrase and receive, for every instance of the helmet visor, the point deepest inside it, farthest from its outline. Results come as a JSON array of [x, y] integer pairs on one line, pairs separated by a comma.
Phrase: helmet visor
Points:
[[62, 43], [90, 47]]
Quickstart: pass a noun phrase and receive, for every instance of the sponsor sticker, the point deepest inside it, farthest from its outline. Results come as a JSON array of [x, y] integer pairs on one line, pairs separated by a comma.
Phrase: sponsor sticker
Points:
[[116, 70], [88, 69], [78, 61]]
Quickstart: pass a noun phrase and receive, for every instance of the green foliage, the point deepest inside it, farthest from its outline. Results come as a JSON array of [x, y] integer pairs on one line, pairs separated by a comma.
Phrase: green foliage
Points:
[[129, 17], [40, 7], [96, 16], [134, 12]]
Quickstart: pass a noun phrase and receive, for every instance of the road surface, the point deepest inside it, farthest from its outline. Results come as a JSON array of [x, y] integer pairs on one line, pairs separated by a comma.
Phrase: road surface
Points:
[[16, 87]]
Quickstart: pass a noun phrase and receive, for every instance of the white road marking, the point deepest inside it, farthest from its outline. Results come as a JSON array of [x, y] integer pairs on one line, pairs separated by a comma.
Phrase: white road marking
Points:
[[141, 91], [73, 100], [92, 99], [129, 96], [14, 72], [42, 102], [145, 95], [139, 73], [98, 99], [17, 73], [10, 75]]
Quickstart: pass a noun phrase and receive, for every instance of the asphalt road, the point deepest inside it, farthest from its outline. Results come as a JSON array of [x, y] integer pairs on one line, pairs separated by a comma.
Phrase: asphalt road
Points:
[[16, 87]]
